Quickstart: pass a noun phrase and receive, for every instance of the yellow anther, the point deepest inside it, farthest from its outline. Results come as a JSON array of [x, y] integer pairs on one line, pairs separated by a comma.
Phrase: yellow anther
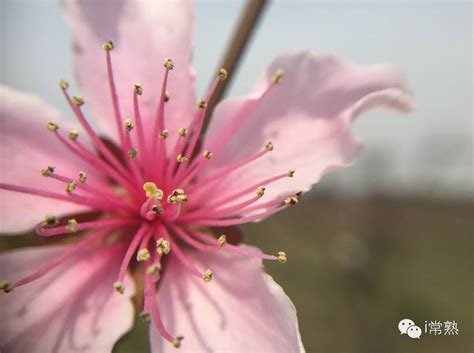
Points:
[[178, 192], [119, 287], [178, 195], [162, 247], [291, 172], [73, 135], [208, 154], [281, 255], [222, 240], [168, 64], [207, 276], [132, 153], [201, 104], [222, 74], [70, 186], [108, 46], [71, 226], [181, 159], [151, 190], [138, 89], [50, 220], [48, 171], [177, 341], [164, 134], [153, 269], [291, 201], [157, 209], [277, 77], [77, 101], [182, 198], [298, 194], [260, 191], [82, 177], [63, 84], [6, 286], [143, 254], [171, 199], [128, 124], [167, 96], [269, 146], [146, 317], [53, 127], [182, 132]]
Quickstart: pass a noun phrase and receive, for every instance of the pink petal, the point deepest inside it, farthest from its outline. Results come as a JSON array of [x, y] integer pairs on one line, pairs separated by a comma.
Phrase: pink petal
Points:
[[27, 147], [145, 33], [73, 308], [307, 117], [241, 310]]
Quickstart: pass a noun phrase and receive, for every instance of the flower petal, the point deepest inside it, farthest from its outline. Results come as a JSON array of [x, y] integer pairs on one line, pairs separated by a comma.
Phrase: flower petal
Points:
[[145, 33], [27, 147], [241, 310], [73, 308], [307, 117]]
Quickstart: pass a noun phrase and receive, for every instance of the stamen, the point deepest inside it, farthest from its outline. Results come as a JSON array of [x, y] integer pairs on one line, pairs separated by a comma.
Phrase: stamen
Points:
[[82, 177], [138, 89], [53, 127], [181, 159], [168, 64], [151, 190], [143, 255], [153, 269], [178, 195], [277, 77], [71, 186], [201, 104], [269, 146], [281, 255], [128, 125], [291, 200], [167, 96], [157, 209], [119, 287], [71, 226], [132, 153], [208, 155], [51, 220], [78, 101], [6, 286], [163, 247], [207, 276], [108, 45], [260, 191], [222, 240], [164, 134], [73, 135], [291, 172], [146, 317], [182, 132], [177, 341], [222, 74], [48, 171], [63, 84]]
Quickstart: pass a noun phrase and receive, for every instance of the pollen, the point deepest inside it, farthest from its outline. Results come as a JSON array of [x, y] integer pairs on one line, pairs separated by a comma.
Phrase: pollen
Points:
[[269, 146], [51, 220], [207, 276], [168, 64], [153, 269], [77, 101], [128, 124], [281, 256], [277, 77], [208, 155], [132, 153], [63, 84], [143, 255], [73, 135], [82, 177], [151, 190], [260, 191], [164, 134], [119, 287], [48, 171], [222, 240], [181, 159], [53, 127], [182, 132], [70, 186], [71, 226], [162, 247], [223, 74], [177, 341], [157, 209], [6, 286], [167, 96], [108, 46], [201, 104], [138, 89], [291, 172]]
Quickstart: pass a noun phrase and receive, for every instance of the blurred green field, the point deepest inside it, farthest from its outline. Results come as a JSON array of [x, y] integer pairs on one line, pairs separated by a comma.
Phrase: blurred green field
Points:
[[356, 268]]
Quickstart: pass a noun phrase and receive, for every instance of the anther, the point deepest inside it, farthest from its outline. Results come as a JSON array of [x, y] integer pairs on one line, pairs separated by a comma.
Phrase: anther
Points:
[[167, 96], [63, 84], [151, 190], [181, 159], [260, 191], [73, 135], [157, 209], [6, 286], [77, 101], [277, 77], [208, 154], [291, 200], [128, 124], [201, 104], [143, 255], [82, 177], [269, 146], [108, 46], [132, 153], [168, 64], [222, 74], [153, 269], [298, 194], [138, 89], [71, 226], [48, 171], [162, 247], [164, 134], [207, 276], [53, 127], [182, 132], [70, 186], [50, 220], [222, 240], [119, 287], [146, 317], [178, 195], [291, 172], [177, 341], [281, 256]]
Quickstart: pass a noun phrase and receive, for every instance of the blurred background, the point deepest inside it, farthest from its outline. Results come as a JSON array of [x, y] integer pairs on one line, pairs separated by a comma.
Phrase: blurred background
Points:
[[386, 239]]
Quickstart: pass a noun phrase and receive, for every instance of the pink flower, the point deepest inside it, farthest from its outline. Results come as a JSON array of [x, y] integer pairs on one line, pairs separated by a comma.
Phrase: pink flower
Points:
[[148, 193]]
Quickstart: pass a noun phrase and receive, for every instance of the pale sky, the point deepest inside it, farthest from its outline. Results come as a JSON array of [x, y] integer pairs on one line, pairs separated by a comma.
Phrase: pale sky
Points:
[[431, 42]]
